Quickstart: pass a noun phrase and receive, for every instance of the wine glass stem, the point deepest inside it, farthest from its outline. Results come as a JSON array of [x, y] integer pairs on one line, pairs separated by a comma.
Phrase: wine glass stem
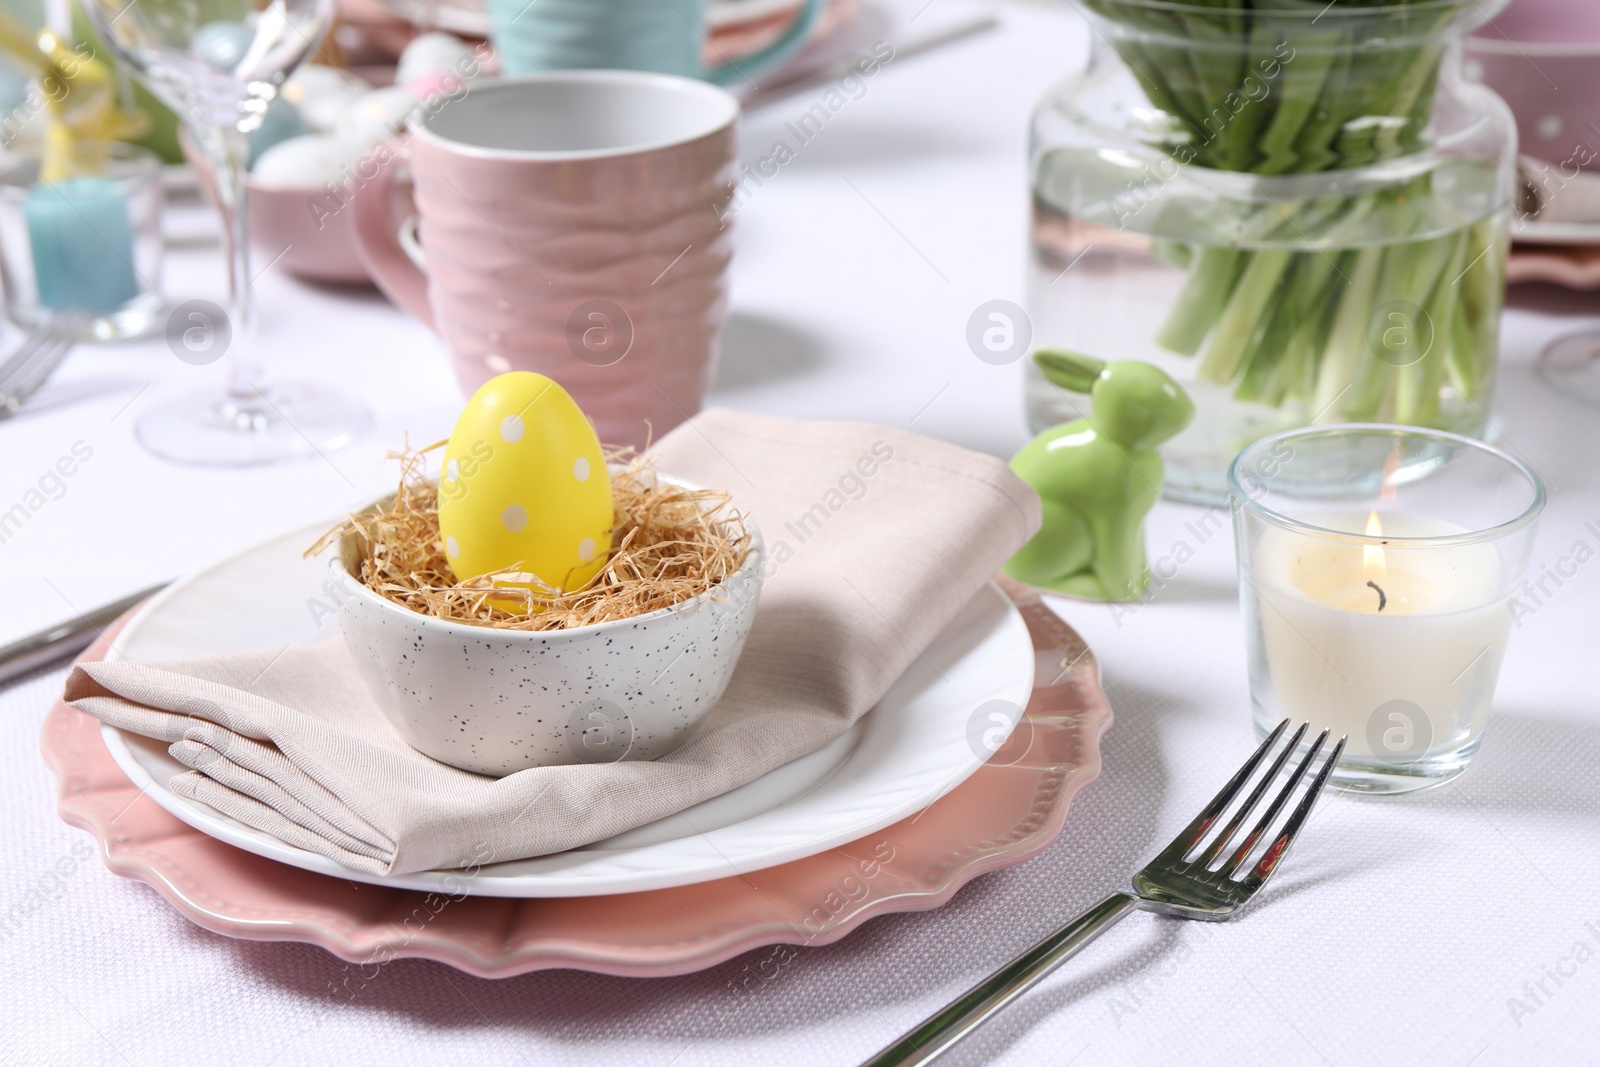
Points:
[[245, 384]]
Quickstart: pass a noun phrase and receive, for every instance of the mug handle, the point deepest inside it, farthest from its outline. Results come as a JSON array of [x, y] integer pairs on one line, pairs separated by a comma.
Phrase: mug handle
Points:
[[781, 49], [378, 242]]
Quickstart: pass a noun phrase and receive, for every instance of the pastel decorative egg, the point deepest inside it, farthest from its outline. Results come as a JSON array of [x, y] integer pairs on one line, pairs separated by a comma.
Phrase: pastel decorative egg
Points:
[[281, 122], [380, 114], [322, 94], [524, 485], [431, 54], [223, 44], [307, 161]]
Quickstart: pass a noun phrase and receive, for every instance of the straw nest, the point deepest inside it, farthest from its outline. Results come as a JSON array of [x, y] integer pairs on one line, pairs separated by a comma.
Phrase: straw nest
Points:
[[668, 545]]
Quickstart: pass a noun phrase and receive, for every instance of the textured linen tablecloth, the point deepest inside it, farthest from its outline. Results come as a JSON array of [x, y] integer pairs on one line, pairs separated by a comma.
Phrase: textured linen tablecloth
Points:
[[1451, 928]]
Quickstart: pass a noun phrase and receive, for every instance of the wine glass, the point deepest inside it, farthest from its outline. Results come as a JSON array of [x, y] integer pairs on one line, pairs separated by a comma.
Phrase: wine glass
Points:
[[218, 64]]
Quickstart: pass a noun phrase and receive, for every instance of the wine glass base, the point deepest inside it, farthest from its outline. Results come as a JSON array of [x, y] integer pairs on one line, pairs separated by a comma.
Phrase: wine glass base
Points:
[[288, 421], [1571, 364]]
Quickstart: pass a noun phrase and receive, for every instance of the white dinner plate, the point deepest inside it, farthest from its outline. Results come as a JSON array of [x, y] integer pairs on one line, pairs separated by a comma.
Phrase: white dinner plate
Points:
[[901, 756]]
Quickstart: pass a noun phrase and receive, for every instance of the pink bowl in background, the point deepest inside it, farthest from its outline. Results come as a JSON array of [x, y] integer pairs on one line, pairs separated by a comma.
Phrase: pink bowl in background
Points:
[[282, 222], [318, 246], [1543, 58]]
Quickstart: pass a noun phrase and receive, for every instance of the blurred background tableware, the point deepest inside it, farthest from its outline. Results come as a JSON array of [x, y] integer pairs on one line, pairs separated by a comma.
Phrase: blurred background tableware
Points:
[[1570, 268], [738, 28], [308, 156], [1227, 202], [1380, 574], [285, 230], [30, 366], [89, 239], [374, 31], [570, 224], [628, 35], [220, 68], [1543, 58]]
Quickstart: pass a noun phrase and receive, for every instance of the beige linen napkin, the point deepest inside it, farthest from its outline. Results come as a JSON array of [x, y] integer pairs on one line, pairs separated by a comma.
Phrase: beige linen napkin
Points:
[[876, 538]]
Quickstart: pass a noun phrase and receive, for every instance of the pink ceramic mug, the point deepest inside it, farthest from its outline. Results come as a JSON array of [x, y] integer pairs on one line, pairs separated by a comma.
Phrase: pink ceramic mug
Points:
[[571, 224]]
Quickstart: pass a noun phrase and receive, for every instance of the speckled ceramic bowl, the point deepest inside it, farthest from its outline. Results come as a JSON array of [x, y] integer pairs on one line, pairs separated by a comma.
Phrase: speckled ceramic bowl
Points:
[[498, 701]]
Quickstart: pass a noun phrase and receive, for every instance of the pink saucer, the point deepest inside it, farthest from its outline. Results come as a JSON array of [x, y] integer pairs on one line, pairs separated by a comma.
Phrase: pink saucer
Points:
[[1009, 811]]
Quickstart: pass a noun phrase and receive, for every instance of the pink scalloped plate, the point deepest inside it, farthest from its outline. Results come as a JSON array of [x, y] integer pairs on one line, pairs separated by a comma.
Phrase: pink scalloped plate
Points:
[[1007, 812], [1576, 267]]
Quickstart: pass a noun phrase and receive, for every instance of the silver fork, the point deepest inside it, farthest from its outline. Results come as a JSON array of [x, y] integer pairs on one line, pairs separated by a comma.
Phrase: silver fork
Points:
[[1185, 881], [25, 370]]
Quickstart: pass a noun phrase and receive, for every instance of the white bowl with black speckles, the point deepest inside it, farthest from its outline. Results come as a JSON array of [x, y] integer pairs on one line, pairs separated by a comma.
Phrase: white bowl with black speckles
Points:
[[500, 701]]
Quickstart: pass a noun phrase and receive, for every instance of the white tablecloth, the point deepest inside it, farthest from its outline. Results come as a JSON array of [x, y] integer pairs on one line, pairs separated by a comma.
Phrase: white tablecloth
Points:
[[1459, 926]]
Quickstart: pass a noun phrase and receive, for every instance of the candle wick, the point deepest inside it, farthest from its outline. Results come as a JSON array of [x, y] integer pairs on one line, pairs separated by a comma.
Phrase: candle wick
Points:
[[1383, 600]]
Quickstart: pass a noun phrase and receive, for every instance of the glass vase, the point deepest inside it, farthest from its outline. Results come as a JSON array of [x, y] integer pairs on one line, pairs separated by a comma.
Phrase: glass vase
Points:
[[1298, 210]]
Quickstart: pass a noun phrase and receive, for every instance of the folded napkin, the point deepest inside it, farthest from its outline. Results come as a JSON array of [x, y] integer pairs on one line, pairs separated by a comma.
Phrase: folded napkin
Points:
[[875, 538]]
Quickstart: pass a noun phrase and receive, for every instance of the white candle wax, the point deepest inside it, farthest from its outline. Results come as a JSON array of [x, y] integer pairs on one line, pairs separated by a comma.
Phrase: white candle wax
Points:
[[1397, 647]]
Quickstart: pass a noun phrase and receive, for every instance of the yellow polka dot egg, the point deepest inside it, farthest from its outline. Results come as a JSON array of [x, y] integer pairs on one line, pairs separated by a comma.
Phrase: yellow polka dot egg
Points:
[[524, 486]]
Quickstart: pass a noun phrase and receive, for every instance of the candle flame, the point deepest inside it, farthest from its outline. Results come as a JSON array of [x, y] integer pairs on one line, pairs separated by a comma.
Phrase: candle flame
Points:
[[1372, 562], [1387, 493]]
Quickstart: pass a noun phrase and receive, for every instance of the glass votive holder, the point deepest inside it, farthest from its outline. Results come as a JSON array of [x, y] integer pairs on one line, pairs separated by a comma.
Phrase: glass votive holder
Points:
[[1377, 571], [81, 228]]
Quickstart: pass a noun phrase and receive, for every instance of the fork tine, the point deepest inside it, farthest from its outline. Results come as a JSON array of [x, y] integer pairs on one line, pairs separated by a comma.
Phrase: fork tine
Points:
[[1280, 845], [1220, 845], [40, 355], [1249, 843], [18, 365], [49, 335], [1196, 831]]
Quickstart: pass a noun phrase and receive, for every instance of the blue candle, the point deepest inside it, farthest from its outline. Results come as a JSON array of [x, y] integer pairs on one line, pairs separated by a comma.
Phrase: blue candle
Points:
[[82, 244]]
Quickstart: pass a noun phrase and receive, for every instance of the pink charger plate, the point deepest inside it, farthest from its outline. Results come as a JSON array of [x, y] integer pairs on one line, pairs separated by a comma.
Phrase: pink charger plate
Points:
[[1007, 812], [1574, 267]]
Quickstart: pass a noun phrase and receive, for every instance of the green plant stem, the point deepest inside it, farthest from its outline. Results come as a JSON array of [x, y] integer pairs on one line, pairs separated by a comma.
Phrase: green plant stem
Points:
[[1257, 286], [1211, 281], [1347, 337], [1286, 304]]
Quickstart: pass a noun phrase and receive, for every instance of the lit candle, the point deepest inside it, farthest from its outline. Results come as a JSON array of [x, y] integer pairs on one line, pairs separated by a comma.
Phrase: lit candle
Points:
[[1395, 644], [82, 240]]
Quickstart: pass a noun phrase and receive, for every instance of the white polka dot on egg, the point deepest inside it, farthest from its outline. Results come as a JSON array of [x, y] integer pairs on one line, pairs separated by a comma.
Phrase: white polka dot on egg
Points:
[[580, 468], [512, 429], [514, 518], [586, 549], [451, 548]]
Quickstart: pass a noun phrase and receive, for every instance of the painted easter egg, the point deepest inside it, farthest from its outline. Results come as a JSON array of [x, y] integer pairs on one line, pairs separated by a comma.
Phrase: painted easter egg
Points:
[[322, 94], [380, 114], [281, 122], [308, 161], [523, 485], [431, 54], [223, 44]]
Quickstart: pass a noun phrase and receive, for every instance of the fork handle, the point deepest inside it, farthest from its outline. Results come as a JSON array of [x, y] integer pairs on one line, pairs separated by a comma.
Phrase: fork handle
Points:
[[941, 1030]]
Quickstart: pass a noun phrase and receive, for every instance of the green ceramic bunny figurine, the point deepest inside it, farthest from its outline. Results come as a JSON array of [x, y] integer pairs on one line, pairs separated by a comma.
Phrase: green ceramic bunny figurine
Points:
[[1098, 477]]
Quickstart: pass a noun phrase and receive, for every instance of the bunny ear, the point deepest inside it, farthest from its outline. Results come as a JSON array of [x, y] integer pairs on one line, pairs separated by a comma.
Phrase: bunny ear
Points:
[[1069, 370]]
